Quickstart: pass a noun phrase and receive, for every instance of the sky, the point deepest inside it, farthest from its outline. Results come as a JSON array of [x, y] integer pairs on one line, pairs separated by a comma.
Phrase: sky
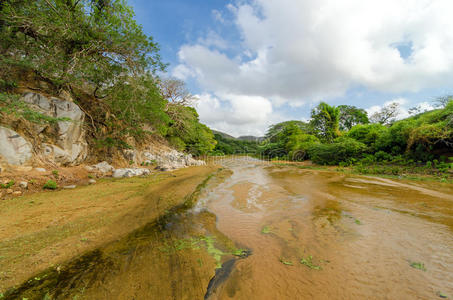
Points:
[[254, 63]]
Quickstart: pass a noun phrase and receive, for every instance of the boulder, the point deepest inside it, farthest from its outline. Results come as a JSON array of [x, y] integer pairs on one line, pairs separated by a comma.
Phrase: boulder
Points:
[[14, 149], [23, 184], [91, 181], [17, 193], [68, 187], [70, 139], [9, 191], [130, 172], [40, 169], [103, 167]]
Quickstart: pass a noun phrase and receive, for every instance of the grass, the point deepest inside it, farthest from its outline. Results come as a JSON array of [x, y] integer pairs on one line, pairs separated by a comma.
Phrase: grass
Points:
[[55, 173], [357, 221], [266, 230], [442, 295], [309, 263], [418, 265]]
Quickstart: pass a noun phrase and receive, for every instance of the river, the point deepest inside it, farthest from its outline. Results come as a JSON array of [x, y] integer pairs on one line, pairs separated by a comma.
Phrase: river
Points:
[[276, 232]]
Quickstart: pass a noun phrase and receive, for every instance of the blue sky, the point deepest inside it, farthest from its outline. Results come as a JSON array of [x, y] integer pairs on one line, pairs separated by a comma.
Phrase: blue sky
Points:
[[255, 63]]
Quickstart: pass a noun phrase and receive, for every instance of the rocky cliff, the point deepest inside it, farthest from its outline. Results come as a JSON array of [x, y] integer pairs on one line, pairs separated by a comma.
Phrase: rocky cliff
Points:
[[64, 142]]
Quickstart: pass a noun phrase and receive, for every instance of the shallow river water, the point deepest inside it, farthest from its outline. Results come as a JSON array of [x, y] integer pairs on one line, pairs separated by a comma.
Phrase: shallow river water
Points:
[[274, 232]]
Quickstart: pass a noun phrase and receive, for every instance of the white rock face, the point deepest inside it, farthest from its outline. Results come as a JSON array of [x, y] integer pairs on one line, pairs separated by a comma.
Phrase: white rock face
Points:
[[14, 149], [23, 184], [71, 147], [41, 170], [103, 167], [175, 160], [130, 172]]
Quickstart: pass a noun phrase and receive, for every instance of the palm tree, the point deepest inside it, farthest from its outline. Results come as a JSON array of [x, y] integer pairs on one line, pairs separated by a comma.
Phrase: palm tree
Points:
[[325, 120]]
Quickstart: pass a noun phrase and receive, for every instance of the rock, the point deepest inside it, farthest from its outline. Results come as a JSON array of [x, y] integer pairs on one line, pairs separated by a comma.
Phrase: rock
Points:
[[130, 155], [40, 169], [70, 140], [89, 169], [23, 184], [130, 172], [24, 168], [68, 187], [103, 167], [17, 193], [149, 156], [9, 191], [56, 154], [91, 181], [14, 149]]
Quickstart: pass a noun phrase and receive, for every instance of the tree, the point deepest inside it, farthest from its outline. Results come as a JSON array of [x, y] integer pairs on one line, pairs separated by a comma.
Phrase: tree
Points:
[[87, 44], [442, 101], [325, 121], [175, 91], [351, 116], [387, 114]]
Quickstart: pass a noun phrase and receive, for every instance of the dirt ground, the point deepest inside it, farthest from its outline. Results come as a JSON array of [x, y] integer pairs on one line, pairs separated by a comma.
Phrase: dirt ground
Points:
[[44, 229]]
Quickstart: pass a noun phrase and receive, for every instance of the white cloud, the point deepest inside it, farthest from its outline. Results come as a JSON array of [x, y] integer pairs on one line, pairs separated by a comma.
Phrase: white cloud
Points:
[[300, 51], [237, 114], [319, 48]]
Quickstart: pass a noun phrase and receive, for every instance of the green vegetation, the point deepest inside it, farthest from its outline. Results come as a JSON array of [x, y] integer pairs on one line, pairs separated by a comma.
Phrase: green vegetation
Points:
[[7, 185], [266, 230], [343, 136], [286, 262], [227, 146], [50, 185], [418, 265], [308, 262], [55, 173], [95, 52]]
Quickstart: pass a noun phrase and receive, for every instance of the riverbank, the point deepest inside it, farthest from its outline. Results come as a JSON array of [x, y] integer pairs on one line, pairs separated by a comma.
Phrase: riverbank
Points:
[[383, 171], [44, 229]]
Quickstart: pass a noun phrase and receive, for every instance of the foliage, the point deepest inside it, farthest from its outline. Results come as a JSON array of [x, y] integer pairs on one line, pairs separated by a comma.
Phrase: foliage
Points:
[[50, 185], [367, 134], [343, 149], [351, 116], [325, 122], [75, 42], [227, 146], [189, 134]]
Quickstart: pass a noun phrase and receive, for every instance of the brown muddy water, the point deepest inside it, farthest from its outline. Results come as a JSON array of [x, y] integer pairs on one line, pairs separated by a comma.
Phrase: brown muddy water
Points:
[[270, 232]]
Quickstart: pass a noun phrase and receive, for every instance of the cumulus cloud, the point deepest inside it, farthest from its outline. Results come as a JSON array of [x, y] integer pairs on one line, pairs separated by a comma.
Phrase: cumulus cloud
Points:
[[310, 49], [300, 51], [237, 114]]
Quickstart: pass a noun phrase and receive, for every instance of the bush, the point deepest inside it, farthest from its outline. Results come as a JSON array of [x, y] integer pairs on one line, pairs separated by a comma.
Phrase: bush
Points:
[[368, 134], [342, 150], [50, 185]]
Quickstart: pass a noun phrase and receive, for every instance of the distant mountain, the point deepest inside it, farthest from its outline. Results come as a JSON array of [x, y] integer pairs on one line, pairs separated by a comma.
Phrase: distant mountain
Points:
[[224, 135], [250, 138]]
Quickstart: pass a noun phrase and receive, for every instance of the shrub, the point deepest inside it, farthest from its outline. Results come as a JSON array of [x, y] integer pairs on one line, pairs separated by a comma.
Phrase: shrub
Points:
[[8, 185], [368, 134], [342, 150], [50, 185]]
